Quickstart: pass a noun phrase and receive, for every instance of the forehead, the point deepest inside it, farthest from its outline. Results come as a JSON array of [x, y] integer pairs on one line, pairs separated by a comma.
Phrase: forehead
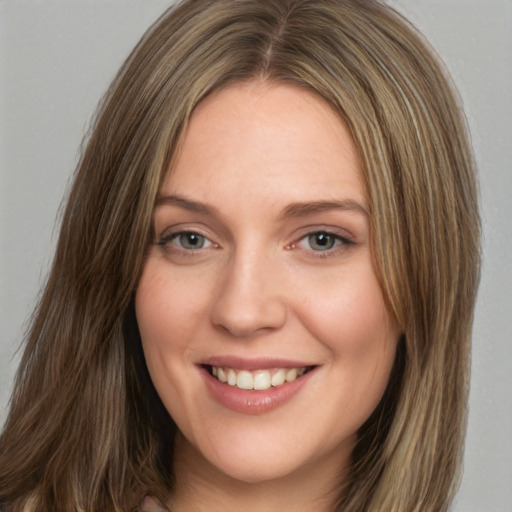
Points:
[[279, 137]]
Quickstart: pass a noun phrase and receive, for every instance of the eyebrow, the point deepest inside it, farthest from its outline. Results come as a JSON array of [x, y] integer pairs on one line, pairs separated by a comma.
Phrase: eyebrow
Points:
[[293, 210], [186, 204]]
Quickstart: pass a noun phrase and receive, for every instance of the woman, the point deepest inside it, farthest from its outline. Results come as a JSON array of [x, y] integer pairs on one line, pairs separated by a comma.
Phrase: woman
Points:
[[264, 284]]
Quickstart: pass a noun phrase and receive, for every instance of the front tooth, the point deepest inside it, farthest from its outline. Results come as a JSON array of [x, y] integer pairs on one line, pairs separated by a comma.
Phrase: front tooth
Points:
[[245, 380], [291, 375], [262, 380], [259, 379], [278, 378], [231, 376]]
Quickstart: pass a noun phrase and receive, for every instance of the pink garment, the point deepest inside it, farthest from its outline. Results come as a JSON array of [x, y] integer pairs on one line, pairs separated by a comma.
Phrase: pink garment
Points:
[[152, 504]]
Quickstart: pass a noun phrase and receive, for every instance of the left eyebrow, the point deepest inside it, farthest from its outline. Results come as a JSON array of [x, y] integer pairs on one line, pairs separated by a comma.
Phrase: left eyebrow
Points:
[[309, 208]]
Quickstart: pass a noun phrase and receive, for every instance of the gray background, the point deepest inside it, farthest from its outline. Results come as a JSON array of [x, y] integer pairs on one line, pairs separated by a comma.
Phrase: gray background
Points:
[[57, 58]]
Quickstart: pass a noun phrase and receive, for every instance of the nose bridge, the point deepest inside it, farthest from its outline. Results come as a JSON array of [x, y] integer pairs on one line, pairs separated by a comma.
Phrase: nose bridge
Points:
[[249, 299]]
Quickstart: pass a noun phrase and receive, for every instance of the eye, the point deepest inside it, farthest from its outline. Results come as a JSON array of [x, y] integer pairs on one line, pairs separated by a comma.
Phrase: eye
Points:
[[187, 240], [321, 241]]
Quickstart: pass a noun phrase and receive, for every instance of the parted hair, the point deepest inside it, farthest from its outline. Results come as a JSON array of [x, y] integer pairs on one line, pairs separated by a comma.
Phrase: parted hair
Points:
[[86, 430]]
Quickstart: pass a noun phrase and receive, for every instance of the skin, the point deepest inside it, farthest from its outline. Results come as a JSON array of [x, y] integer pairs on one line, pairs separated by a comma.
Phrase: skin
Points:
[[259, 285]]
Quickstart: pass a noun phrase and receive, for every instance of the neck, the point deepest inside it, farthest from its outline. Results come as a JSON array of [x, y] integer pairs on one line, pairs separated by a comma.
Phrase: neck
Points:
[[200, 486]]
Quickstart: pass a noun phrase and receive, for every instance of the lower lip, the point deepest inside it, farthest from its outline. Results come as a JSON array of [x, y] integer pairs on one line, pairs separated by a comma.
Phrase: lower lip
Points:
[[253, 401]]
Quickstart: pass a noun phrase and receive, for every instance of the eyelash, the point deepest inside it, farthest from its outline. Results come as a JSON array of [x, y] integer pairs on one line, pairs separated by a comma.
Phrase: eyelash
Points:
[[339, 243], [169, 238]]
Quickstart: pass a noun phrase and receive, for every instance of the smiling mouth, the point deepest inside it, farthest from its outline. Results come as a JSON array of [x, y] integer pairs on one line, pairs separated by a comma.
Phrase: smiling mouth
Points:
[[256, 380]]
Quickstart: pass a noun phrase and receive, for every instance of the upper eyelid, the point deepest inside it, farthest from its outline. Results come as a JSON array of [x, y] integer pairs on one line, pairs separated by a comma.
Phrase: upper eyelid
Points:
[[174, 230], [329, 233], [174, 234], [212, 231], [343, 239], [335, 231]]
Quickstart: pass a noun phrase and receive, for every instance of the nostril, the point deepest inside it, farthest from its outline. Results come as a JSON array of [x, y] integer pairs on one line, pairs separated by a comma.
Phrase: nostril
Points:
[[245, 306]]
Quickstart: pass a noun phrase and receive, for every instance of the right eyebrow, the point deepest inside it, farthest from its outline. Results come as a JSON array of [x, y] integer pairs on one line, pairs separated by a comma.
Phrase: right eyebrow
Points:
[[185, 203]]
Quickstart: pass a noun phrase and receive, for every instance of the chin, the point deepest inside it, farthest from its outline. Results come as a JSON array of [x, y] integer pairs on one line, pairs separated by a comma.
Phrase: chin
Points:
[[250, 458], [256, 472]]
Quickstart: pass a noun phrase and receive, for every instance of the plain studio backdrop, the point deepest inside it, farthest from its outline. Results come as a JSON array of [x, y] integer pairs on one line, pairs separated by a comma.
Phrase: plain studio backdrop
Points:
[[57, 58]]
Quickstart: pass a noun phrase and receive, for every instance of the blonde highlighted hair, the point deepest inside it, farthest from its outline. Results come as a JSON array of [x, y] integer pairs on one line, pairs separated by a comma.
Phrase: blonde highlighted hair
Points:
[[86, 429]]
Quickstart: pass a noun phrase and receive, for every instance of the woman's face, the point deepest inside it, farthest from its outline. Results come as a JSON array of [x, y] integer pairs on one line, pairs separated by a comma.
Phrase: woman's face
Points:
[[260, 274]]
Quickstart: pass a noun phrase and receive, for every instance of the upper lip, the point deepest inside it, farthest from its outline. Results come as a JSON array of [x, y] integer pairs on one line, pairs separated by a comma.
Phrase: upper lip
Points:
[[256, 363]]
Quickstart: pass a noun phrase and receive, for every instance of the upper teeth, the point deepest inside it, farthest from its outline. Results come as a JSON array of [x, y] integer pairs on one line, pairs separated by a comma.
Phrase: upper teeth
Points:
[[257, 379]]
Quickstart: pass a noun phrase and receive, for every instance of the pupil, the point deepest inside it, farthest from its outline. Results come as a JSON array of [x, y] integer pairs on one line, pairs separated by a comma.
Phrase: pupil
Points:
[[321, 241]]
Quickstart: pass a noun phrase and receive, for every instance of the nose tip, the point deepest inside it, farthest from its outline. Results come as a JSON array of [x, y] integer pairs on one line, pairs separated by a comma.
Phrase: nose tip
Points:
[[247, 322], [249, 303]]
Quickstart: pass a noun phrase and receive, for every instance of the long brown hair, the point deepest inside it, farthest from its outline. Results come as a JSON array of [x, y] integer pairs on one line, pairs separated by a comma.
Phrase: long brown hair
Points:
[[86, 429]]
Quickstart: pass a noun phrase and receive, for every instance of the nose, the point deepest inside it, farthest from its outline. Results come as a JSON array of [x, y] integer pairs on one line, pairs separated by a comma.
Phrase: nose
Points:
[[249, 299]]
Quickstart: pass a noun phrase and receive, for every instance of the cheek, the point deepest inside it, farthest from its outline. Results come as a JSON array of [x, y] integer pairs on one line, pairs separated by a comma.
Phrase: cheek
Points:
[[164, 325], [347, 310], [169, 307], [349, 317], [167, 322]]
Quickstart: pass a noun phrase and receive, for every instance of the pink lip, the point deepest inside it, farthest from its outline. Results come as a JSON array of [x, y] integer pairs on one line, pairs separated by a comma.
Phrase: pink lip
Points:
[[252, 401]]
